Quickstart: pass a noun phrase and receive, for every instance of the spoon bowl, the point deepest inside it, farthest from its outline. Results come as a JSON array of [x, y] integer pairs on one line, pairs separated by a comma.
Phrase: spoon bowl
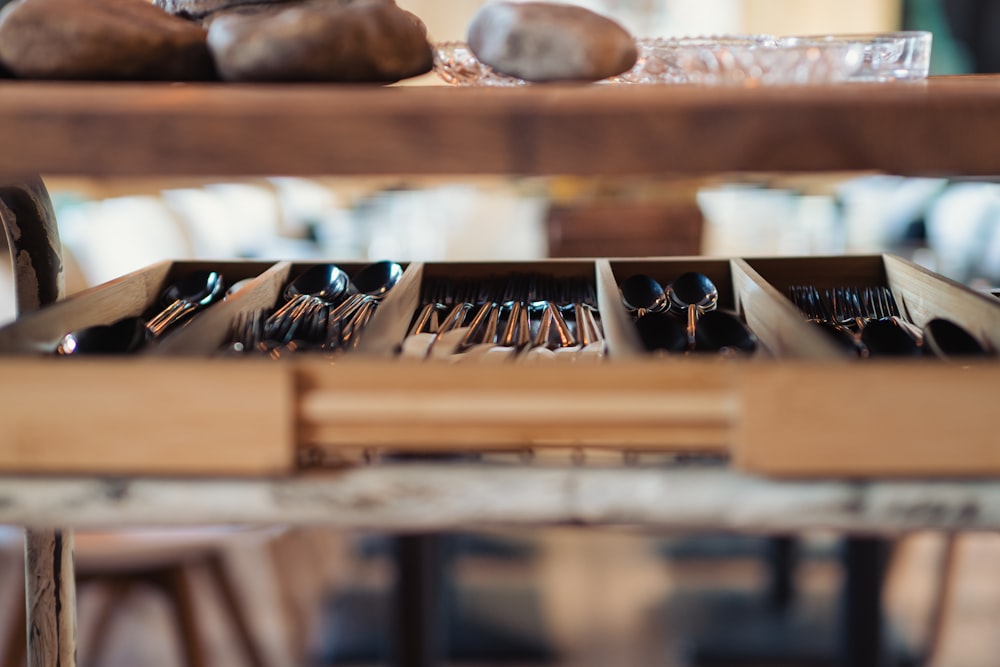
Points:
[[885, 338], [327, 282], [718, 330], [643, 294], [660, 331], [947, 339], [122, 337]]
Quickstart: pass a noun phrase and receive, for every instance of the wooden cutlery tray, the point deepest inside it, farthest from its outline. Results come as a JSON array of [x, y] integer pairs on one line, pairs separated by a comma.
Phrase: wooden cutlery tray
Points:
[[796, 408]]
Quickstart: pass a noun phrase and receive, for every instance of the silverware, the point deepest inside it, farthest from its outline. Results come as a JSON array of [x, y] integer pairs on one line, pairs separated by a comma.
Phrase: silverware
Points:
[[186, 296], [642, 294], [373, 283], [948, 340], [122, 337], [719, 331], [312, 290], [662, 331], [695, 293], [818, 313]]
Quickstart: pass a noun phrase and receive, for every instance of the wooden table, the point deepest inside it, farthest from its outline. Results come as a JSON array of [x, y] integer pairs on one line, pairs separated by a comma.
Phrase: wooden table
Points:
[[944, 126]]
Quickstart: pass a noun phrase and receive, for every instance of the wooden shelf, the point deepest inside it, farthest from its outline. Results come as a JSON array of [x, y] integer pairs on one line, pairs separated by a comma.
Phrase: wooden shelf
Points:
[[426, 496], [945, 126]]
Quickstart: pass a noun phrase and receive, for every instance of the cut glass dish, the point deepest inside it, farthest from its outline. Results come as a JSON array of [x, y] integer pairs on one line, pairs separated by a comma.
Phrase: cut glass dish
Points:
[[739, 60]]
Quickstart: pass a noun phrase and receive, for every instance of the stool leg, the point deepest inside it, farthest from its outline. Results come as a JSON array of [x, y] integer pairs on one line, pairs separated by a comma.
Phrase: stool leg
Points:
[[117, 592], [234, 610], [178, 588], [14, 643]]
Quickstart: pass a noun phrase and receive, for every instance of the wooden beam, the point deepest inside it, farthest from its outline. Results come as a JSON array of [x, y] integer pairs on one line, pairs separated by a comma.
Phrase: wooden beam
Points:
[[946, 125], [422, 497]]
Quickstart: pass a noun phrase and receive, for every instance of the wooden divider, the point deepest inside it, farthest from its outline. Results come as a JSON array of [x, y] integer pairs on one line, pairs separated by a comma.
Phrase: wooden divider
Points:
[[776, 320], [619, 330], [877, 419], [924, 295], [387, 328], [406, 406], [40, 331], [147, 417], [209, 330]]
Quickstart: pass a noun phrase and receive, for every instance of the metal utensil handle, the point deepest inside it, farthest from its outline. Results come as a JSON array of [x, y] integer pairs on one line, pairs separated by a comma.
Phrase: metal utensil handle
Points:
[[454, 319], [523, 328], [492, 322], [423, 319], [507, 339], [566, 338], [692, 323], [583, 331], [351, 333], [593, 326], [169, 316], [544, 330], [477, 323], [345, 309]]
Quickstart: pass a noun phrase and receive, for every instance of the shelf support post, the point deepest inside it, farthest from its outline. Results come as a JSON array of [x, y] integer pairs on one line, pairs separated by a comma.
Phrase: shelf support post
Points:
[[29, 222]]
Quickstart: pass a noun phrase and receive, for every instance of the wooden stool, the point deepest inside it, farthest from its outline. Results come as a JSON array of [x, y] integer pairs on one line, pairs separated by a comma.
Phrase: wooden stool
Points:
[[163, 559]]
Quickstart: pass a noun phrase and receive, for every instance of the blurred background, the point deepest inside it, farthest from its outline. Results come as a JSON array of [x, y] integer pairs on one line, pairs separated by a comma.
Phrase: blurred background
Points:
[[601, 597]]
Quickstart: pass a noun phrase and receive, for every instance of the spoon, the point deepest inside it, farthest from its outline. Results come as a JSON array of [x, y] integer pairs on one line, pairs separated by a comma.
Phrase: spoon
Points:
[[642, 294], [947, 339], [719, 330], [841, 335], [661, 331], [189, 294], [373, 283], [696, 293], [885, 338], [317, 286], [121, 337]]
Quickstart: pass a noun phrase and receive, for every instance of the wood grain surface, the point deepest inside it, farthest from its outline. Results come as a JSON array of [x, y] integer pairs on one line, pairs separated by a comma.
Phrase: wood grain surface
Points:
[[946, 125], [50, 597], [451, 495]]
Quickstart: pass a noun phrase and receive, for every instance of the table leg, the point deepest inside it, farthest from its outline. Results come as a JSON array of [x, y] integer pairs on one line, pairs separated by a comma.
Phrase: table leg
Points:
[[29, 222], [50, 589], [861, 642], [419, 632]]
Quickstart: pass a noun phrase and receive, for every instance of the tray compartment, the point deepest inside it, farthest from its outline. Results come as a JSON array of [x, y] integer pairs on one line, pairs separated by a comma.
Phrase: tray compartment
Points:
[[776, 323], [210, 334], [134, 294], [882, 417], [465, 272], [920, 294]]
